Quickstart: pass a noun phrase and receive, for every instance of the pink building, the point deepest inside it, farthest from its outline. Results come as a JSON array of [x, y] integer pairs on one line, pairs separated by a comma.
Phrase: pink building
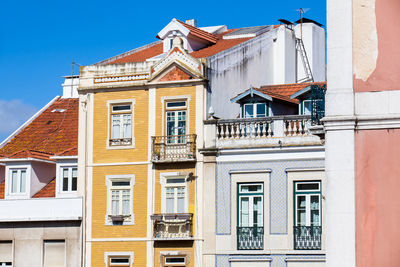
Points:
[[362, 133]]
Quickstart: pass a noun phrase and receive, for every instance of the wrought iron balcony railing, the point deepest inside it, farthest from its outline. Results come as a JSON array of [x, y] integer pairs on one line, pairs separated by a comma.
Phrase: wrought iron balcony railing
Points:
[[121, 142], [250, 238], [174, 148], [307, 237], [172, 225]]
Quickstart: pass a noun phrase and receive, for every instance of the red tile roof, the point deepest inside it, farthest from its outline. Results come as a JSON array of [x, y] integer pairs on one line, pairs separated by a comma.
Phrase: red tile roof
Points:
[[48, 190], [200, 33], [139, 55], [69, 152], [53, 131], [220, 46], [2, 189]]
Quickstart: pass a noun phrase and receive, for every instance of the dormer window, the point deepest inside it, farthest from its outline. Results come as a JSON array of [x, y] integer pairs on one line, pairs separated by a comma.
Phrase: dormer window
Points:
[[69, 179], [254, 110], [306, 107], [17, 181]]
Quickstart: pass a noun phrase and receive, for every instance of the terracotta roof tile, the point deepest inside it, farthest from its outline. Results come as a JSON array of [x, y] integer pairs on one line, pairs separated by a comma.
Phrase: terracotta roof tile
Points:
[[73, 151], [140, 55], [200, 33], [2, 189], [48, 190], [30, 154], [50, 133], [284, 91], [220, 46]]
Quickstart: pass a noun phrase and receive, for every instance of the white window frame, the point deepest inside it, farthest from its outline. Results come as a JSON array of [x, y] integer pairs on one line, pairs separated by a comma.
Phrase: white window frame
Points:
[[254, 109], [163, 181], [251, 196], [177, 98], [109, 255], [307, 194], [130, 218], [70, 171], [165, 264], [26, 194], [12, 252], [121, 102], [303, 106], [70, 162]]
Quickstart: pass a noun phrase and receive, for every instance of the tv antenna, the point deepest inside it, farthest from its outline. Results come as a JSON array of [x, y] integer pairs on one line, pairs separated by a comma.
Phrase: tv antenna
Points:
[[73, 63], [302, 11]]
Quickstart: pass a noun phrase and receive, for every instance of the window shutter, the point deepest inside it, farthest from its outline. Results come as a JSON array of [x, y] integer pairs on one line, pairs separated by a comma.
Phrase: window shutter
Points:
[[54, 253]]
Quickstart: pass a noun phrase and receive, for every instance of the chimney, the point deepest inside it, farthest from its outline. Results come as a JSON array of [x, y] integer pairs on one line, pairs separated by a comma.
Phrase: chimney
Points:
[[70, 86], [192, 22]]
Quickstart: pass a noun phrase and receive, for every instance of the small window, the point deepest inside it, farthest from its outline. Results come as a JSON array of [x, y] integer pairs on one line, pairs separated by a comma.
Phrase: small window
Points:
[[119, 261], [307, 107], [6, 253], [254, 110], [175, 195], [121, 125], [17, 181], [120, 200], [54, 253], [178, 104], [69, 179], [174, 261]]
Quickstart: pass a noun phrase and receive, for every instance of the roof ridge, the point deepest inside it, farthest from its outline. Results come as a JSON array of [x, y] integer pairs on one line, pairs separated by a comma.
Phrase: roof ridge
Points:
[[200, 32]]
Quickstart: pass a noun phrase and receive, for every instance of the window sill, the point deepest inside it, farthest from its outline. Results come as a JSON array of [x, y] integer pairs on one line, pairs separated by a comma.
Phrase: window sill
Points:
[[126, 220], [129, 146]]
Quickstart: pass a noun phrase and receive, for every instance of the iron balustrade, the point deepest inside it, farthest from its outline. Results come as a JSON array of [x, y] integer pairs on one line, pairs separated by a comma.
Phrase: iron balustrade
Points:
[[174, 148], [172, 225], [121, 142], [307, 237], [250, 238]]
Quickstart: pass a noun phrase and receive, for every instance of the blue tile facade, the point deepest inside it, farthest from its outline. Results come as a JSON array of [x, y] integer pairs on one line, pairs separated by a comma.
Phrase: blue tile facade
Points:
[[278, 191]]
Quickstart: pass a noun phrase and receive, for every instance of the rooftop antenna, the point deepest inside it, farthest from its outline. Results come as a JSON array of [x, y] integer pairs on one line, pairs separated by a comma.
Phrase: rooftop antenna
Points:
[[72, 72], [302, 11]]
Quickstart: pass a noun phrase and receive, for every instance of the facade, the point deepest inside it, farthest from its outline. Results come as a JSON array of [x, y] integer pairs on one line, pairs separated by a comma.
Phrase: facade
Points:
[[266, 182], [40, 202], [141, 125], [362, 133]]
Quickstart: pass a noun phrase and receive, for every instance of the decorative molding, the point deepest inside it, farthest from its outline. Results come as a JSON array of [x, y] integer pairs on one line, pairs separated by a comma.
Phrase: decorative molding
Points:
[[339, 123], [122, 78]]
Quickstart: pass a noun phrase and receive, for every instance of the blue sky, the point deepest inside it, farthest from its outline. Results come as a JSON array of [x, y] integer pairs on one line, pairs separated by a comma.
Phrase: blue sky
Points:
[[40, 39]]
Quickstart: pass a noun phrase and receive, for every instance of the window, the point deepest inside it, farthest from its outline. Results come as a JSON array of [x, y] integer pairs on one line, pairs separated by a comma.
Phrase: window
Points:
[[69, 179], [174, 261], [307, 107], [6, 253], [121, 124], [308, 203], [175, 196], [120, 199], [176, 122], [119, 261], [17, 181], [250, 205], [254, 110], [54, 253]]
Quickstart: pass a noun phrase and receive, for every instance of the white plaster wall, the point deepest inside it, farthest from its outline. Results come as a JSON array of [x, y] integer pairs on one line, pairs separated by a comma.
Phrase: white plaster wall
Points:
[[70, 87], [42, 173], [284, 59], [234, 70]]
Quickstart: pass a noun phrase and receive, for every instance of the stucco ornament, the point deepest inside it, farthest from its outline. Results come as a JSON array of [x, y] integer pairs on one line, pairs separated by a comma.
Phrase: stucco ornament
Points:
[[365, 42]]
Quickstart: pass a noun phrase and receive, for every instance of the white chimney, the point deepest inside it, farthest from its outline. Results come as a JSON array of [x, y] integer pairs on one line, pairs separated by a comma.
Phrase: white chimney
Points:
[[314, 43], [70, 86], [192, 22]]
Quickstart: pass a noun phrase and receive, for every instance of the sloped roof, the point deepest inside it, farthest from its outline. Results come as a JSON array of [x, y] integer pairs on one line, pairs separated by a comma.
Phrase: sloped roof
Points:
[[283, 91], [218, 44], [48, 190], [53, 131]]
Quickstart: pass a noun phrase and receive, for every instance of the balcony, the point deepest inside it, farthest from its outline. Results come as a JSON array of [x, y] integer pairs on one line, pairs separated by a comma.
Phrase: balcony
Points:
[[173, 148], [250, 238], [276, 131], [307, 237], [170, 226]]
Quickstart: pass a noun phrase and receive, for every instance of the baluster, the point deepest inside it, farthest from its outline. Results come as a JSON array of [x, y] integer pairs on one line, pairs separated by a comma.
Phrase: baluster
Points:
[[251, 128], [232, 130], [223, 131], [269, 128], [264, 128], [242, 130], [237, 134], [295, 128], [259, 129], [306, 132], [289, 127], [301, 127]]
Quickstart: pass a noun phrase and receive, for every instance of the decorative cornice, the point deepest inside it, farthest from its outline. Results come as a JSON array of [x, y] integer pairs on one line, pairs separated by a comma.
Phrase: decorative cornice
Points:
[[339, 123]]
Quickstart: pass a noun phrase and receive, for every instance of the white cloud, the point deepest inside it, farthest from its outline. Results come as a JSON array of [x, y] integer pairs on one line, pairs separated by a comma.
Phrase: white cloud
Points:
[[13, 114]]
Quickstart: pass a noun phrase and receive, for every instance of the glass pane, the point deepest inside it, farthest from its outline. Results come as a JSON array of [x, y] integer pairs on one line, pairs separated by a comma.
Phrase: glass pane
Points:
[[175, 181], [126, 194], [248, 111], [14, 175], [122, 108], [181, 200], [65, 179], [315, 218], [307, 107], [126, 183], [308, 186], [115, 202], [127, 126], [257, 211], [74, 179], [301, 202], [244, 211], [23, 182], [251, 188], [170, 200], [261, 110], [116, 124], [176, 104], [301, 211]]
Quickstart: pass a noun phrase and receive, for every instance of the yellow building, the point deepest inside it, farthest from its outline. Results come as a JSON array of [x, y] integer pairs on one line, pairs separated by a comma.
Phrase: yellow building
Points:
[[139, 126]]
